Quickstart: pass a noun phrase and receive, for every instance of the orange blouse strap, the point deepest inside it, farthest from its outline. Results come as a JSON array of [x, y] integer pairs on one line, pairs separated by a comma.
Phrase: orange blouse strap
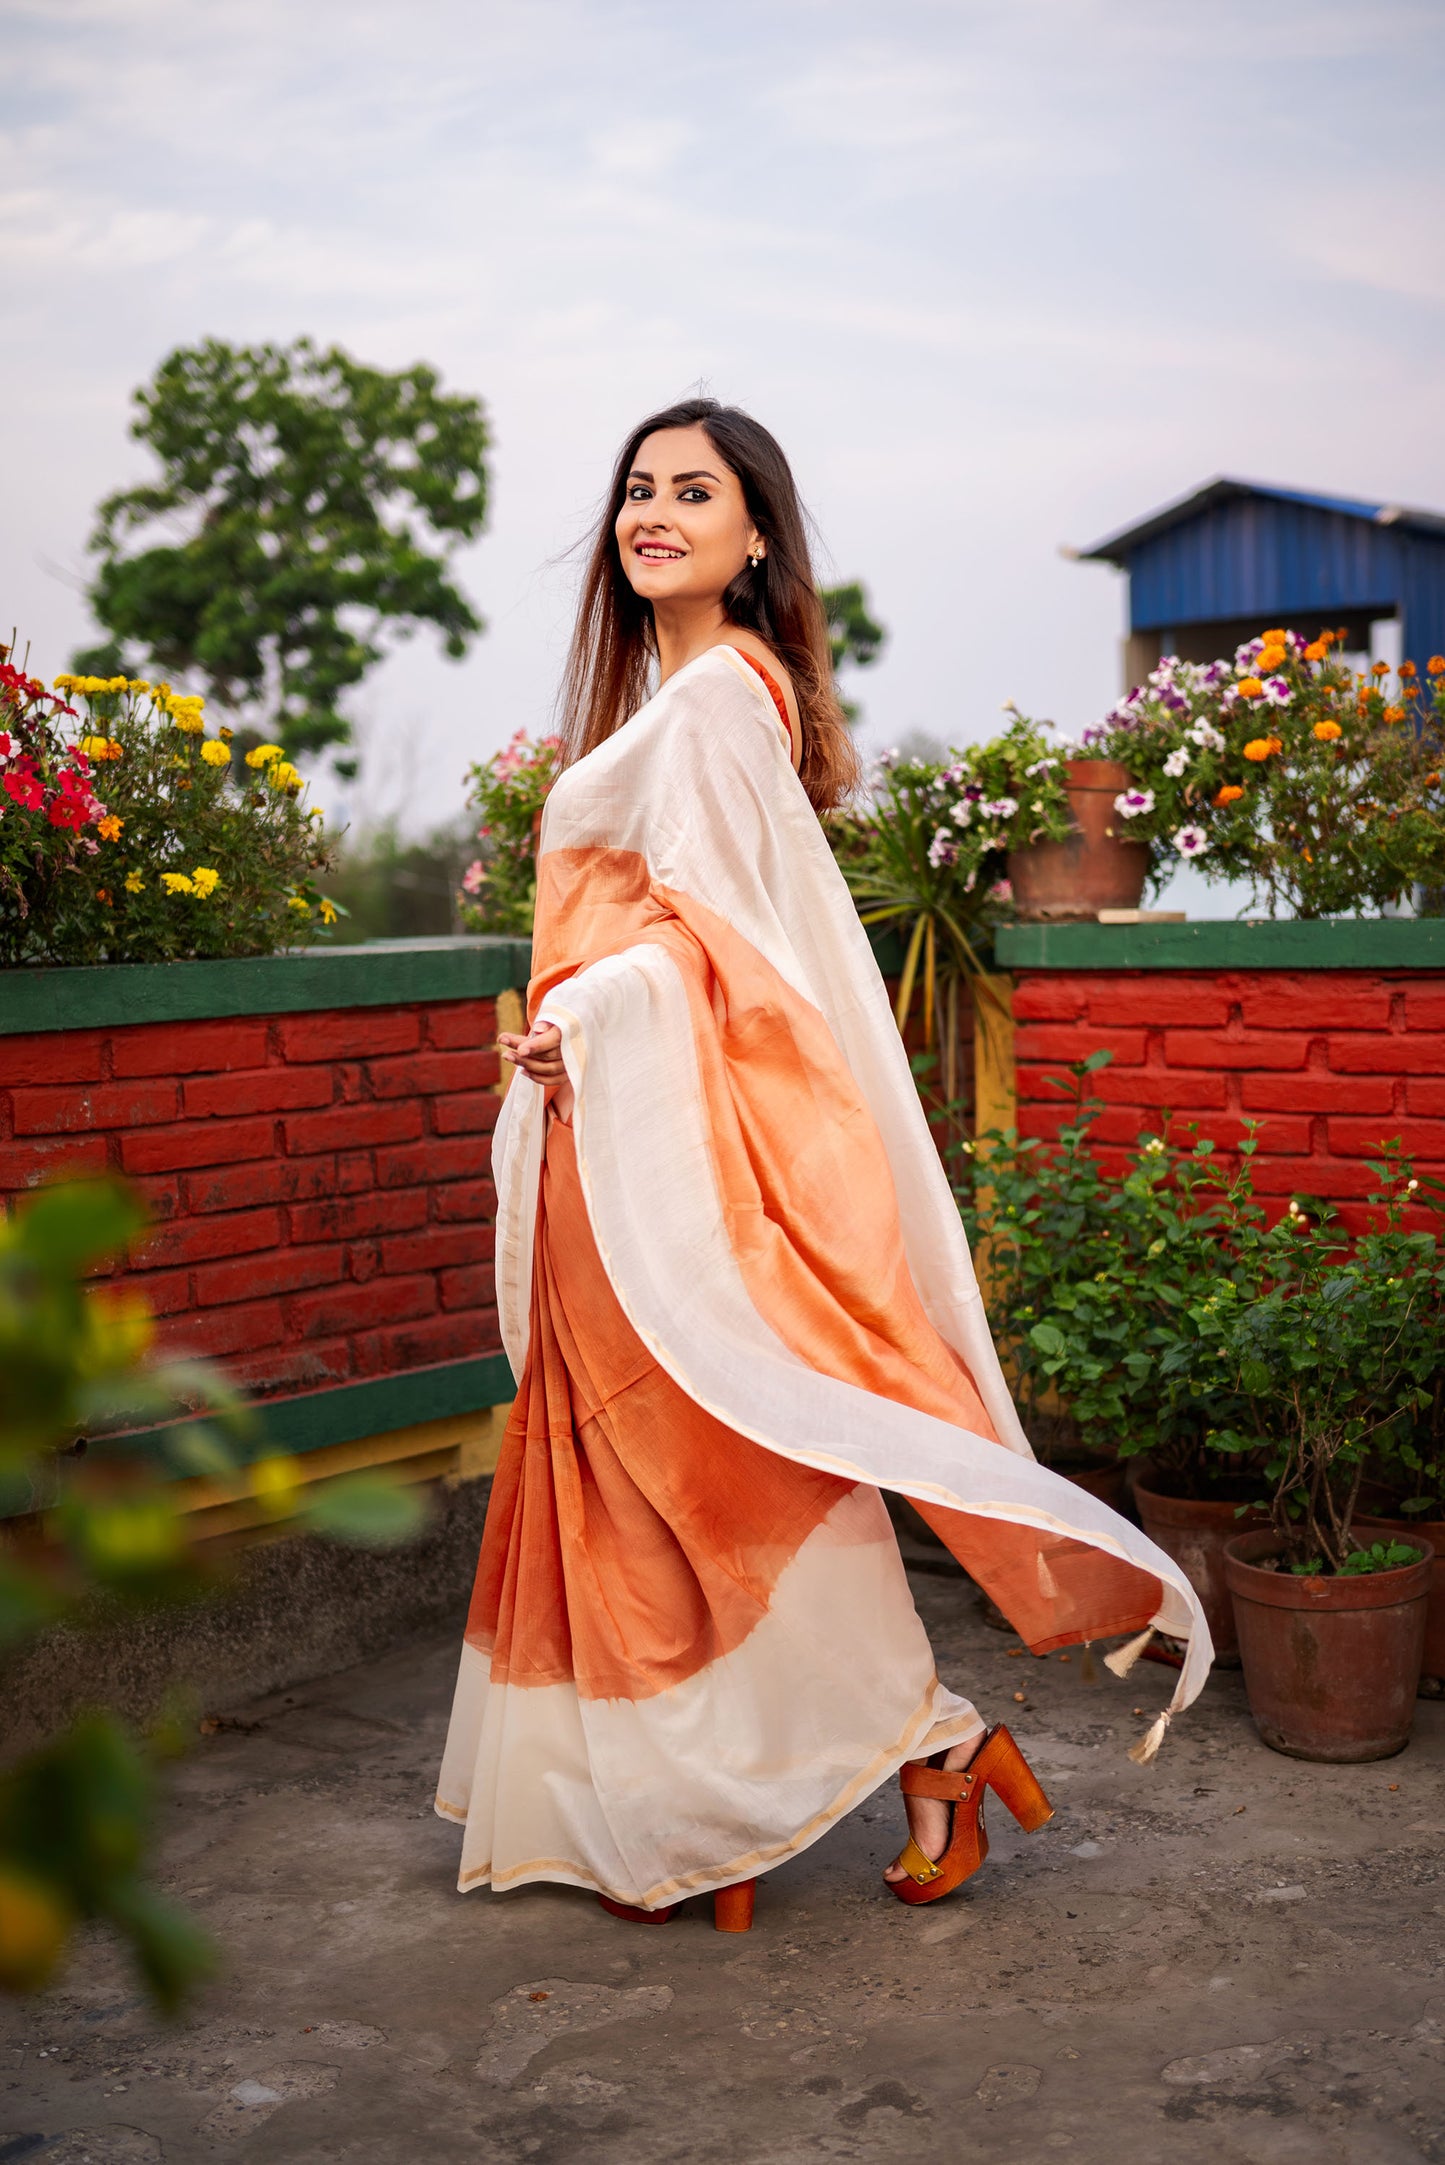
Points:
[[773, 686]]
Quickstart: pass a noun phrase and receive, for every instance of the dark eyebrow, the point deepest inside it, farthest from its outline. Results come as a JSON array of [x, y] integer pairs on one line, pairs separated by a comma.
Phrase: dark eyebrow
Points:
[[699, 473], [638, 475]]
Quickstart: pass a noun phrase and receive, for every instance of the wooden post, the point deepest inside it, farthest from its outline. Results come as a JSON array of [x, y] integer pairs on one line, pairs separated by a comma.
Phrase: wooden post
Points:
[[995, 1094]]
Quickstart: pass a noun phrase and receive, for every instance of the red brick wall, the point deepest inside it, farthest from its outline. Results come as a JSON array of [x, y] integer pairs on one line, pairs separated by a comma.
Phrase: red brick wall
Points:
[[320, 1184], [1332, 1063]]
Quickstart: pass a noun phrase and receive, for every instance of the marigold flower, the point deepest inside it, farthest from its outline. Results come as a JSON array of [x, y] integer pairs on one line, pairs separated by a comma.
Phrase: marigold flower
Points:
[[1379, 669], [299, 902], [1259, 748], [1327, 731], [1270, 659], [1408, 669], [1436, 665], [1317, 650], [1432, 779], [102, 894], [282, 775], [178, 883], [133, 883], [139, 684], [1409, 691], [64, 682], [1250, 688], [1277, 637], [215, 754], [1394, 714], [261, 755], [207, 880], [94, 747], [109, 828], [1230, 794], [225, 733], [329, 911]]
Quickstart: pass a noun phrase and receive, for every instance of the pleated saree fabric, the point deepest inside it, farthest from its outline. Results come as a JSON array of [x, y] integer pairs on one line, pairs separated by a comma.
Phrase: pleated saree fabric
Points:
[[738, 1301]]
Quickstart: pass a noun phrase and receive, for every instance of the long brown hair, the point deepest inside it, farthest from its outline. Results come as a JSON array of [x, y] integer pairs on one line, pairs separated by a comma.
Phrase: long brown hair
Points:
[[614, 644]]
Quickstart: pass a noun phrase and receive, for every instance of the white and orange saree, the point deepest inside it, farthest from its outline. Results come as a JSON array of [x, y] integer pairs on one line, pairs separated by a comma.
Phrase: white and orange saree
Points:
[[739, 1303]]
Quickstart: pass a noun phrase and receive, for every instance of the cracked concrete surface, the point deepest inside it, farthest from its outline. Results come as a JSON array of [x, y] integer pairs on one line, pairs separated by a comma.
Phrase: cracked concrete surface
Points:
[[1225, 1956]]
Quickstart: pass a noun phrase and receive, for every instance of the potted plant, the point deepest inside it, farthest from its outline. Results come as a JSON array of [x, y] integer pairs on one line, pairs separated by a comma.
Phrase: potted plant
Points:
[[1321, 786], [1337, 1360], [1100, 864]]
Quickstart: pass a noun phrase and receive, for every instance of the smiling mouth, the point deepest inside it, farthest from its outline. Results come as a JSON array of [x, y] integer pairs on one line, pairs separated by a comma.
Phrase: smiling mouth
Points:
[[656, 552]]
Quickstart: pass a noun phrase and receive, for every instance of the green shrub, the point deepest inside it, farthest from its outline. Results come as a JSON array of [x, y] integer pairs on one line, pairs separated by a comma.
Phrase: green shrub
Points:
[[499, 886], [127, 834]]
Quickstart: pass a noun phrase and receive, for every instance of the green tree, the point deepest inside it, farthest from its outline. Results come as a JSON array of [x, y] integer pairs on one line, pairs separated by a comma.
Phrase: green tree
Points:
[[306, 504], [852, 632]]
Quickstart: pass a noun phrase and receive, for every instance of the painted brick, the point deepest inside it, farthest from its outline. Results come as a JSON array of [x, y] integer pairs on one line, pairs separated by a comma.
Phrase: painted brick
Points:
[[472, 1199], [460, 1157], [94, 1105], [355, 1171], [419, 1345], [292, 1368], [1181, 1090], [1152, 1002], [1424, 1004], [160, 1198], [345, 1216], [363, 1260], [346, 1126], [1417, 1055], [426, 1073], [1426, 1094], [1049, 999], [462, 1023], [471, 1287], [273, 1180], [1255, 1049], [432, 1249], [26, 1165], [280, 1270], [350, 1307], [238, 1329], [1422, 1139], [52, 1056], [256, 1090], [1315, 1001], [187, 1048], [1315, 1092], [1075, 1041], [165, 1292], [350, 1033], [195, 1240], [1330, 1178], [472, 1114], [210, 1142]]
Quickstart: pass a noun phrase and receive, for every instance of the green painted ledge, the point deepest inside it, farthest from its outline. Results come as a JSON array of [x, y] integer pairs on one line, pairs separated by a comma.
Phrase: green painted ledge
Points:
[[385, 973], [1360, 943]]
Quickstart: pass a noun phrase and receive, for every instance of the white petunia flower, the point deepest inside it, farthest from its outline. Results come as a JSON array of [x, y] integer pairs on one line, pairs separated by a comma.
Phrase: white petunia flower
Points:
[[1132, 802], [1191, 841], [1176, 763]]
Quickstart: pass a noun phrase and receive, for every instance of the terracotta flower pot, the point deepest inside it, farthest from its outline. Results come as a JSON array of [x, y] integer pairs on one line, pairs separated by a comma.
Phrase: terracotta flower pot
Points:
[[1194, 1531], [1331, 1665], [1430, 1533], [1097, 868], [1108, 1482]]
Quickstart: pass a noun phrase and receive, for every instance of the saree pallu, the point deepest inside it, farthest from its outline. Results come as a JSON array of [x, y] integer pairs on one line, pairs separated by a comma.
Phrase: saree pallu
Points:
[[738, 1300]]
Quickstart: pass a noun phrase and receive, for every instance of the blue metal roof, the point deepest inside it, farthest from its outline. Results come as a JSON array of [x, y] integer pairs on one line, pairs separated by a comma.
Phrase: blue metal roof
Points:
[[1118, 548]]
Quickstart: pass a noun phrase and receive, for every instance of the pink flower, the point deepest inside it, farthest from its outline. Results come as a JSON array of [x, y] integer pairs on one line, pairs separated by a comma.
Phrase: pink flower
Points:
[[1001, 891], [475, 877]]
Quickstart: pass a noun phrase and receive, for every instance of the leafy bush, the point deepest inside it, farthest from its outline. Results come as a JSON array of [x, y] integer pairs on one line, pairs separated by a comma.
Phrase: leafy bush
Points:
[[1283, 767], [77, 1814], [127, 834], [390, 888], [499, 886]]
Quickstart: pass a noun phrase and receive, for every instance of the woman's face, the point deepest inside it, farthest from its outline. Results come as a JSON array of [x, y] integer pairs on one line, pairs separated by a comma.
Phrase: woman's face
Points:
[[684, 532]]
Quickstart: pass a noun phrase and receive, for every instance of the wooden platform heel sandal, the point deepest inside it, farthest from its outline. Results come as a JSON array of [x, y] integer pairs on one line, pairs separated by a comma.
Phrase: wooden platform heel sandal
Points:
[[999, 1765], [732, 1908]]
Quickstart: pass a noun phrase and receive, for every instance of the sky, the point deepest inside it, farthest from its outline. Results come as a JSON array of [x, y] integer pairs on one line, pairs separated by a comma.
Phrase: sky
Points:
[[1000, 277]]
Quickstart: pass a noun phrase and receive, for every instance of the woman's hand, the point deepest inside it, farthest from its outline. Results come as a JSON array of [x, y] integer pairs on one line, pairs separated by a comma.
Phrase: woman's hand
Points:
[[539, 1056]]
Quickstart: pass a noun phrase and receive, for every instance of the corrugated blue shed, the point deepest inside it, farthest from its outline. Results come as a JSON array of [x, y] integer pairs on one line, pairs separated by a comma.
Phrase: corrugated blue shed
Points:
[[1218, 565]]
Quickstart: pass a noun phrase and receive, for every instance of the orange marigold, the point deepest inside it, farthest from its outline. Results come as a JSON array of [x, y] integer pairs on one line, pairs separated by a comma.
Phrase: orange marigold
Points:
[[1327, 731], [1250, 688], [1261, 747], [1317, 650], [1436, 665], [1380, 669], [1276, 637], [1230, 794], [1408, 669], [109, 828], [1394, 714]]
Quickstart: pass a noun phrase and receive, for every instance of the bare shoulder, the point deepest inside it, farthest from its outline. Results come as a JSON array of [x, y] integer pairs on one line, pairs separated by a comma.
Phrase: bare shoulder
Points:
[[748, 642]]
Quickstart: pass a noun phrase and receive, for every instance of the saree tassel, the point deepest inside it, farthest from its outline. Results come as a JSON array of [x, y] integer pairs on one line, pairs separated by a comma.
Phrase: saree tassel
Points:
[[1148, 1744], [1088, 1667], [1123, 1658]]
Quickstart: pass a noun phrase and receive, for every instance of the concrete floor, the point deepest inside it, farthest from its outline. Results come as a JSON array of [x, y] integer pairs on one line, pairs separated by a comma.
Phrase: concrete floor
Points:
[[1226, 1956]]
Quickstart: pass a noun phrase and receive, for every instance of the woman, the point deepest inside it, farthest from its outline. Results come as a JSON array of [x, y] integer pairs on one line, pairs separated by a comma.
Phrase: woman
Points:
[[733, 1284]]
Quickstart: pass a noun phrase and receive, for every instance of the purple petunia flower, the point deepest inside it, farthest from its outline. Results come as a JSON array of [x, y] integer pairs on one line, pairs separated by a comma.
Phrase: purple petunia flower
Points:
[[1132, 802], [1191, 841]]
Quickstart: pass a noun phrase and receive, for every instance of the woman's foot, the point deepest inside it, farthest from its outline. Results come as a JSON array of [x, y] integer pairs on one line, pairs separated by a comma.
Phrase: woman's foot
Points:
[[929, 1819]]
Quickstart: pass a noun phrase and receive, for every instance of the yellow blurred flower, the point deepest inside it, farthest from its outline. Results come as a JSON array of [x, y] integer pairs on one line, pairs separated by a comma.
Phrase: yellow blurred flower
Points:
[[118, 684], [316, 812], [1327, 731], [35, 1926], [1260, 748], [1229, 794], [275, 1485], [261, 755], [1250, 688], [109, 828], [178, 883], [206, 879], [63, 683], [139, 684], [134, 884], [121, 1327], [328, 910], [94, 747], [215, 754], [282, 775], [225, 733], [299, 902]]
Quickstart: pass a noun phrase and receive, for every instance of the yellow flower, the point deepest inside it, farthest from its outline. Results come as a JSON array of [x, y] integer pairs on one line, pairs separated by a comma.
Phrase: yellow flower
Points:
[[178, 883], [215, 754], [1394, 714], [299, 902], [1230, 794], [1250, 688], [261, 755], [283, 775], [316, 812], [225, 734], [1260, 748], [139, 684], [109, 828], [328, 910], [1327, 731], [274, 1484], [63, 683], [134, 884], [207, 880], [95, 747], [118, 684]]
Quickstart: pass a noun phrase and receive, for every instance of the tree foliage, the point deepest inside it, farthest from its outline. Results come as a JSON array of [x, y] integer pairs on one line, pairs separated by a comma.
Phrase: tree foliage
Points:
[[305, 504]]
